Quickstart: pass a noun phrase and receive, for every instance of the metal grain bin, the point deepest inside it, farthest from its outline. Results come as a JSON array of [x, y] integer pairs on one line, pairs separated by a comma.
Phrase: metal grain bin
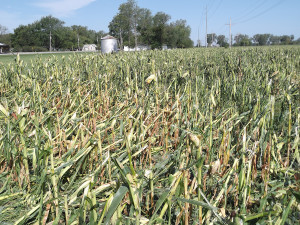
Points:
[[109, 44]]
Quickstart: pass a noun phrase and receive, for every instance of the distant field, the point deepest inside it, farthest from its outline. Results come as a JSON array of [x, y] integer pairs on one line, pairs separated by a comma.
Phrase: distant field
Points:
[[28, 57]]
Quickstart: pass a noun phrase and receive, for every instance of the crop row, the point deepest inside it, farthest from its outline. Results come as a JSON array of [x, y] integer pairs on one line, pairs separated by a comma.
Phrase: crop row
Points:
[[179, 137]]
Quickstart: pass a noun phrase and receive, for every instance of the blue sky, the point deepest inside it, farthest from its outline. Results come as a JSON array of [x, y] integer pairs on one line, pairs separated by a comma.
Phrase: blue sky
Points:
[[248, 16]]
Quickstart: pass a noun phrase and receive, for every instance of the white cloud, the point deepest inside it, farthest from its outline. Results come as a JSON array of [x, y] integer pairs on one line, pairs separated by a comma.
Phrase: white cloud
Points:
[[63, 8]]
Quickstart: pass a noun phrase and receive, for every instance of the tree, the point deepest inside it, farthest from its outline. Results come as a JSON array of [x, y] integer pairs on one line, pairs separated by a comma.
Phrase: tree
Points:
[[274, 40], [5, 37], [37, 34], [242, 40], [66, 38], [118, 29], [211, 38], [47, 26], [144, 27], [178, 35], [160, 29], [82, 35], [222, 41], [124, 24], [286, 39], [3, 30], [261, 39], [133, 21], [24, 36]]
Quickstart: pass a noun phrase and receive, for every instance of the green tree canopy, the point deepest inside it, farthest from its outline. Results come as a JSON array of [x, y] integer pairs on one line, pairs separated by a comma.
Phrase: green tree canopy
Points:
[[286, 39], [38, 33], [179, 35], [261, 39], [242, 40], [222, 41], [160, 20], [144, 26], [36, 36], [134, 25], [124, 24], [5, 37], [211, 38]]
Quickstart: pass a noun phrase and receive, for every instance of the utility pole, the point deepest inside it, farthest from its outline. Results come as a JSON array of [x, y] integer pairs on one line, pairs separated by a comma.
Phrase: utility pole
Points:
[[78, 42], [230, 38], [50, 38], [206, 29], [230, 32], [198, 41], [135, 27], [121, 39]]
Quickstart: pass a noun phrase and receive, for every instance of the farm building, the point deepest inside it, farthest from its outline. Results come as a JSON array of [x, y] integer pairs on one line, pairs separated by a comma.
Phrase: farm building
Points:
[[4, 48], [89, 48], [109, 44], [164, 47], [138, 48]]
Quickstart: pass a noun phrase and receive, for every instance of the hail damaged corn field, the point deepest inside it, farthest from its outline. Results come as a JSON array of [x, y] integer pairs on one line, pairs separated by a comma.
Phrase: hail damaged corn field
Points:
[[159, 137]]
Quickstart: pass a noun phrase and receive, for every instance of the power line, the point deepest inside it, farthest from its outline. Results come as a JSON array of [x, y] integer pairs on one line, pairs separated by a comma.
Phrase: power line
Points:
[[202, 23], [250, 9], [261, 13], [216, 9], [210, 4], [257, 5]]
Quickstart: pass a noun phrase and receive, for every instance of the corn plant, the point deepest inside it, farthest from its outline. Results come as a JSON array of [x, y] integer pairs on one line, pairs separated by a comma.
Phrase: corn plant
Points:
[[196, 136]]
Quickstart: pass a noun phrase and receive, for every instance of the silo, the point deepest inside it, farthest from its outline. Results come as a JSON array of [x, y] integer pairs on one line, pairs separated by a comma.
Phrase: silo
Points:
[[109, 44]]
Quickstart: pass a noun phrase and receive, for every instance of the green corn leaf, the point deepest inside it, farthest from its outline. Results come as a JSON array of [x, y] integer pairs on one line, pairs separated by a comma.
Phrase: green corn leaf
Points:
[[287, 211], [115, 203], [158, 204], [198, 203]]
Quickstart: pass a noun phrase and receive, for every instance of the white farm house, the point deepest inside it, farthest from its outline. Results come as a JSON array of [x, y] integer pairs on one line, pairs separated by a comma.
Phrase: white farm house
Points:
[[89, 48]]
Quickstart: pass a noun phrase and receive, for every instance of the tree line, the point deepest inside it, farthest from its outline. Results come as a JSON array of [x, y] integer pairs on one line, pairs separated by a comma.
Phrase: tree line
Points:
[[256, 40], [37, 36]]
